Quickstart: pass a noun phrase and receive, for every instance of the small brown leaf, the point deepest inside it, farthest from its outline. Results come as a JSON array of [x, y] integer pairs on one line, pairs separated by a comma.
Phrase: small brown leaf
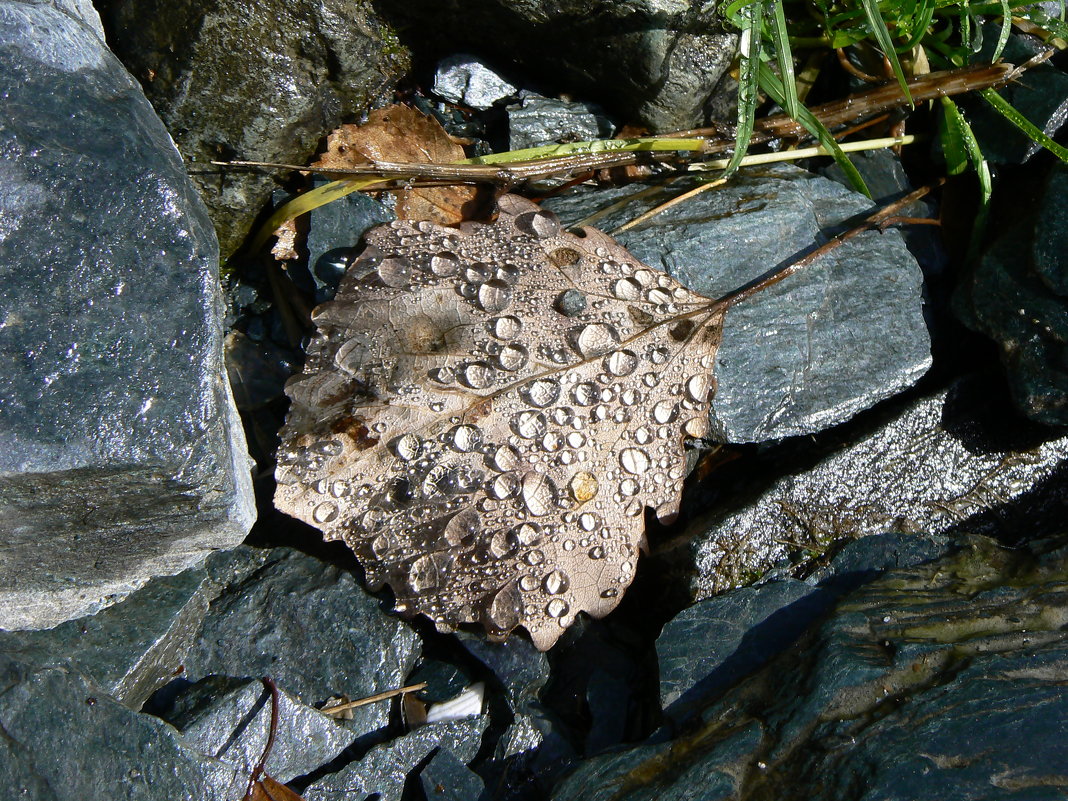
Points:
[[402, 134], [267, 789], [527, 393]]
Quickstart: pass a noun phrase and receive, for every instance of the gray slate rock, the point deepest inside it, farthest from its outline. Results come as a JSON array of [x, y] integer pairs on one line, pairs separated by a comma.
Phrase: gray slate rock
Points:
[[259, 80], [812, 351], [385, 768], [310, 627], [64, 738], [1018, 296], [130, 649], [656, 61], [537, 120], [334, 230], [446, 778], [922, 470], [233, 723], [121, 455], [467, 80], [941, 680]]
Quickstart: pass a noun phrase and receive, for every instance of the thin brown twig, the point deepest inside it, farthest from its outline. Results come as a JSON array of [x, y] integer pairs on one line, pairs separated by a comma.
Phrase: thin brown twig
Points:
[[370, 699], [272, 732]]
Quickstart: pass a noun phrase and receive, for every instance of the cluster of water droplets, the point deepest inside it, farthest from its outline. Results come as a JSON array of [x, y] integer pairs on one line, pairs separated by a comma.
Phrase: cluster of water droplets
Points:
[[516, 397]]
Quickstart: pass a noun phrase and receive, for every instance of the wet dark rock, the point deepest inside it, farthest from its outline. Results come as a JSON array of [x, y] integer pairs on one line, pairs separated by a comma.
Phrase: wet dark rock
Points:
[[130, 649], [254, 80], [448, 779], [940, 679], [231, 719], [65, 738], [258, 370], [1040, 95], [521, 668], [1018, 296], [657, 61], [942, 463], [385, 768], [122, 456], [467, 80], [812, 351], [538, 120], [334, 231], [309, 626]]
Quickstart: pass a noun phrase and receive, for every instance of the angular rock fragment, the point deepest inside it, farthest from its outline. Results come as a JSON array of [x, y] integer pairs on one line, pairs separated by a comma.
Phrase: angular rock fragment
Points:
[[231, 719], [385, 768], [260, 80], [927, 469], [467, 80], [841, 335], [121, 456], [538, 120]]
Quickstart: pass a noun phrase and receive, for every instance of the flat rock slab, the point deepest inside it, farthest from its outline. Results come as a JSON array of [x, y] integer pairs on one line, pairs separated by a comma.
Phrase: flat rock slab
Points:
[[121, 456], [925, 470], [810, 352], [941, 680]]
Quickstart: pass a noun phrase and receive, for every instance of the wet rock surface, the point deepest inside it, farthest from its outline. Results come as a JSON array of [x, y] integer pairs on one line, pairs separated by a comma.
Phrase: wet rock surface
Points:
[[258, 81], [537, 120], [468, 80], [654, 60], [967, 656], [1018, 296], [122, 456], [807, 353], [937, 465]]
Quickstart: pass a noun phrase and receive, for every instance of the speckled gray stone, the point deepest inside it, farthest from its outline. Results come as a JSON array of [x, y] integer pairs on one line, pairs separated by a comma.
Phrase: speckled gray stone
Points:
[[538, 120], [259, 80], [810, 352], [446, 778], [233, 724], [309, 626], [924, 471], [64, 738], [385, 768], [130, 649], [121, 456], [468, 80]]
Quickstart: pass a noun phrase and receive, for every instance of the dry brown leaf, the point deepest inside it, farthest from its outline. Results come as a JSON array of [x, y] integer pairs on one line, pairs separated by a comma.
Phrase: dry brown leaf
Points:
[[267, 789], [402, 134], [487, 411]]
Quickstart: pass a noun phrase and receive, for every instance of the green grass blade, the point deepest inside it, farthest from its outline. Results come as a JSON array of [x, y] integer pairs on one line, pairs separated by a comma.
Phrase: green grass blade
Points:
[[954, 131], [750, 18], [921, 21], [882, 36], [1003, 35], [784, 56], [1003, 107], [771, 84]]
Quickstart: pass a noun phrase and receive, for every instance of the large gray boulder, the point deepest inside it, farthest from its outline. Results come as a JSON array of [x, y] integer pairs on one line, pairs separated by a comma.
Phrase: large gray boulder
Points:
[[261, 80], [121, 455]]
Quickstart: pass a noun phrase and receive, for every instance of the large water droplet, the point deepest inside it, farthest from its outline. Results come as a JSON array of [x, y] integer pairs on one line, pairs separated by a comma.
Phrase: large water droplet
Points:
[[504, 458], [556, 608], [494, 296], [395, 271], [445, 264], [529, 424], [507, 327], [596, 552], [461, 527], [556, 582], [407, 447], [588, 521], [629, 487], [476, 375], [505, 609], [325, 512], [512, 357], [541, 392], [621, 362], [504, 486], [429, 572], [634, 461], [539, 494], [586, 393], [508, 273], [594, 339], [583, 486], [352, 354], [697, 387], [477, 273], [465, 438], [627, 289], [665, 411], [570, 303], [538, 223]]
